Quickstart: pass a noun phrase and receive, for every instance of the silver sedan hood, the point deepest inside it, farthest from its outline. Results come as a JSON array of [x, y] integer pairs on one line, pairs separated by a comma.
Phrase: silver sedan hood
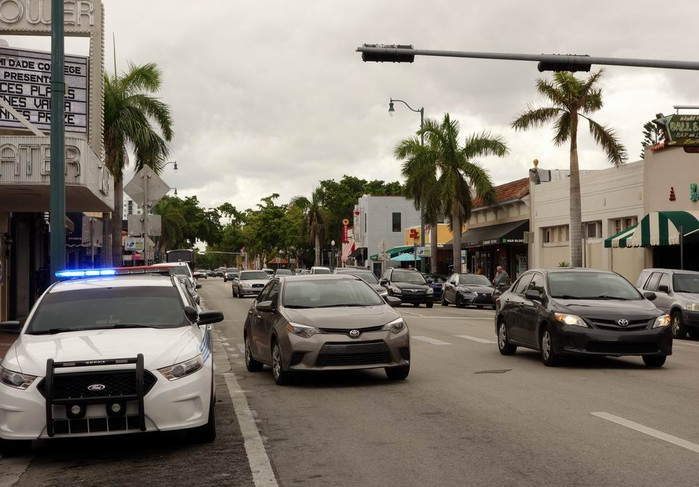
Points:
[[343, 317]]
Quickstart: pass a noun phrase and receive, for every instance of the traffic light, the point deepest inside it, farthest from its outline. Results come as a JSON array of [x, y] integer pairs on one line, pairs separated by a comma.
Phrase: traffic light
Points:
[[567, 63], [396, 53]]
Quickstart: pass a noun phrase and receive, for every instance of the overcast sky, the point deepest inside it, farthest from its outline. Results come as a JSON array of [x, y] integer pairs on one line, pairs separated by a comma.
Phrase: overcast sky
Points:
[[270, 96]]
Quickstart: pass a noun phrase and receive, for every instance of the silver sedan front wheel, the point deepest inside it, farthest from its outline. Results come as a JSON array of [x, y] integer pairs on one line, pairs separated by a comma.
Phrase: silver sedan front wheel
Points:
[[281, 377]]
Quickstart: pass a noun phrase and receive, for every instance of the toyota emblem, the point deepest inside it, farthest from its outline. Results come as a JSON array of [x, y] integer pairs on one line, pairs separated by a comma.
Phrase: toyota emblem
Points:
[[623, 322], [354, 333], [96, 387]]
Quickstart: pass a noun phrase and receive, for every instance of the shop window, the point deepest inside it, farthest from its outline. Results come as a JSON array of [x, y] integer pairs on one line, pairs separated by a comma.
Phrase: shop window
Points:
[[624, 223], [592, 229]]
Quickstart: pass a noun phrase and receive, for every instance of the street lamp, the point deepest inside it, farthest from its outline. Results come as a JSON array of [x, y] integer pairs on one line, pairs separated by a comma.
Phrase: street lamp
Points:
[[171, 162], [391, 110]]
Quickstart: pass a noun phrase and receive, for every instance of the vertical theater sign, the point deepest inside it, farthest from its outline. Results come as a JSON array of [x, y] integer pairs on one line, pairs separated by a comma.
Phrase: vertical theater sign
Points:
[[25, 126]]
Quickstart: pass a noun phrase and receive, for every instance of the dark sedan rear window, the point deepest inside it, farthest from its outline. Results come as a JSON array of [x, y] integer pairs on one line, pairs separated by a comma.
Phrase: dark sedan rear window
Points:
[[590, 285], [157, 307]]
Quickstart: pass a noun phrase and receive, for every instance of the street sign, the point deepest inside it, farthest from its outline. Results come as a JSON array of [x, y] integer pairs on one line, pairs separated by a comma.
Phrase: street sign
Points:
[[146, 181], [136, 223], [681, 130]]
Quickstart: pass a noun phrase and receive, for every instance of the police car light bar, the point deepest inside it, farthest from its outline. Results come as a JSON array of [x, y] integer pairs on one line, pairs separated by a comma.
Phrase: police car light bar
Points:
[[85, 273]]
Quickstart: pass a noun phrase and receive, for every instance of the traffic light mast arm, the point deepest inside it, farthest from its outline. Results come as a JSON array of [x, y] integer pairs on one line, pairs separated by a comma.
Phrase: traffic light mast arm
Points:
[[401, 53]]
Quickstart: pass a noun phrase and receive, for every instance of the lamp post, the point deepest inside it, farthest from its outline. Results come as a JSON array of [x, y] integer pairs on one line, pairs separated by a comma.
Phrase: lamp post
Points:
[[421, 111]]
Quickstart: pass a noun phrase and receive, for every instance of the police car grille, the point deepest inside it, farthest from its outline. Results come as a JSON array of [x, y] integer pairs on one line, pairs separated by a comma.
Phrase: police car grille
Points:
[[116, 384]]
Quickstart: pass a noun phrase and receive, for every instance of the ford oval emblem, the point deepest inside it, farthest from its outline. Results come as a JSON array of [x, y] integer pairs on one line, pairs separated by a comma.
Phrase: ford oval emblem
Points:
[[354, 333], [623, 322], [96, 387]]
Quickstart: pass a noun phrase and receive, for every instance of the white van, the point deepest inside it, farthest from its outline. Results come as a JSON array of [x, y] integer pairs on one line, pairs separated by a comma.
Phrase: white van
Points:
[[316, 269]]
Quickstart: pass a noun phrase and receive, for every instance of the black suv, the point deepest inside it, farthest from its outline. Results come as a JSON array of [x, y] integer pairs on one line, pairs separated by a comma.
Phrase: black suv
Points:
[[581, 312], [409, 285]]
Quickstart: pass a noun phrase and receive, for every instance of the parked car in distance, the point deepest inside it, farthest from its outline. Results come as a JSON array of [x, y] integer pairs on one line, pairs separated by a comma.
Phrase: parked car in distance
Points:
[[200, 273], [316, 269], [581, 312], [469, 290], [365, 275], [318, 323], [218, 272], [437, 282], [249, 283], [409, 285], [230, 273], [270, 272], [677, 294], [179, 269], [283, 272]]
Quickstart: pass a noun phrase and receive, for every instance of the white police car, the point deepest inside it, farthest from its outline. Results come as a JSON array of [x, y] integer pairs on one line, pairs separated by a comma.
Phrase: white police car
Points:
[[105, 354]]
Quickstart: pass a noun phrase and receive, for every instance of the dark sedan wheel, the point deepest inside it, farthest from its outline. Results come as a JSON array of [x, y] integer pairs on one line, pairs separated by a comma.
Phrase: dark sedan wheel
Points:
[[281, 376], [397, 373], [548, 354], [233, 291], [250, 363], [504, 345], [678, 328], [429, 304], [654, 360]]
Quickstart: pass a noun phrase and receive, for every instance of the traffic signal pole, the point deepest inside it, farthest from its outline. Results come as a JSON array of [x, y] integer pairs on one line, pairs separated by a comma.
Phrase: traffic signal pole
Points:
[[548, 62]]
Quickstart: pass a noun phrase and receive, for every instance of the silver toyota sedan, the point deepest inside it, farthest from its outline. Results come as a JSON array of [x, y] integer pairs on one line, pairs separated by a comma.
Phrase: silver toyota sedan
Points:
[[325, 322]]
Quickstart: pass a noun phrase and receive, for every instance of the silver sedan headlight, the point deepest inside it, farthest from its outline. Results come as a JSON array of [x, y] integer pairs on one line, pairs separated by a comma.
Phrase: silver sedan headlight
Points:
[[571, 320], [693, 307], [15, 379], [395, 290], [303, 331], [395, 326], [661, 321]]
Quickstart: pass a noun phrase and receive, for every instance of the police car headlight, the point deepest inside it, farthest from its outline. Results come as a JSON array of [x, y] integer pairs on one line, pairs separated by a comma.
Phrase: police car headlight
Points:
[[661, 321], [302, 330], [182, 369], [15, 379], [395, 326]]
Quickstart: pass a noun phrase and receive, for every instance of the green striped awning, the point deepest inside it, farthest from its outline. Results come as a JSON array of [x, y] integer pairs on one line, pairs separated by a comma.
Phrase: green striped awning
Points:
[[657, 228]]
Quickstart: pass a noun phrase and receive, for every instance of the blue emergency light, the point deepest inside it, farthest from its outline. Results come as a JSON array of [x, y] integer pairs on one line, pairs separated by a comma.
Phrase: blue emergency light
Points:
[[72, 273]]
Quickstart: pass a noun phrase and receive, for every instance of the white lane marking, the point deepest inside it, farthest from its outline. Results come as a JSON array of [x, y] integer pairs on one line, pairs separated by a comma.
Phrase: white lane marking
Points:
[[262, 473], [475, 339], [649, 431], [241, 347], [432, 341], [12, 469]]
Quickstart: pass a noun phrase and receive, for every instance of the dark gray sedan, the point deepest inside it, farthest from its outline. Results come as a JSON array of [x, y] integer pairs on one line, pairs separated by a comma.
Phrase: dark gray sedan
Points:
[[469, 290], [325, 322], [581, 312]]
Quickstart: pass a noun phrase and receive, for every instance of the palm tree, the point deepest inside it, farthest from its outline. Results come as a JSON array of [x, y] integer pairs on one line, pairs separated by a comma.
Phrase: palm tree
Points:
[[448, 176], [571, 99], [314, 219], [129, 114], [420, 171], [172, 224]]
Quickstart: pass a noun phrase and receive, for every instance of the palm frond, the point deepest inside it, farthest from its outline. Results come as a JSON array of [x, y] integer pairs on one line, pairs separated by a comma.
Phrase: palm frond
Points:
[[562, 127], [485, 144], [535, 117], [606, 137]]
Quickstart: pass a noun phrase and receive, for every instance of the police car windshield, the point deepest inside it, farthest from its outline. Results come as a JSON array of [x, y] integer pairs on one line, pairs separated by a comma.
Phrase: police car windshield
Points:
[[105, 308]]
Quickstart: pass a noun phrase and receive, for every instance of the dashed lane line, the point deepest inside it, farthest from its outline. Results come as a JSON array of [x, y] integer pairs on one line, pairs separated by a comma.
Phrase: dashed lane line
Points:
[[432, 341], [475, 339], [649, 431]]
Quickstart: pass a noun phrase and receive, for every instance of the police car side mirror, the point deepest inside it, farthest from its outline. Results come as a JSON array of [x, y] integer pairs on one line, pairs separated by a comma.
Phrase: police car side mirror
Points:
[[393, 301], [198, 286], [10, 327], [208, 317]]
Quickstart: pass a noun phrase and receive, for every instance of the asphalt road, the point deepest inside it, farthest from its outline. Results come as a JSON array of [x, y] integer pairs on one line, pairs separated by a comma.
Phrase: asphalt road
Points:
[[465, 416], [468, 416]]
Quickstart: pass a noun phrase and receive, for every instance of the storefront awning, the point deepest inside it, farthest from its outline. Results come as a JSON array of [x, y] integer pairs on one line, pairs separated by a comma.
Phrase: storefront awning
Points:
[[658, 228], [512, 232], [394, 252]]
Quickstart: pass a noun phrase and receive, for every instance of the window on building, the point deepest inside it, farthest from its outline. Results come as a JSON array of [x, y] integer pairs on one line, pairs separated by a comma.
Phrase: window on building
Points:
[[557, 234], [624, 223], [396, 226], [592, 229]]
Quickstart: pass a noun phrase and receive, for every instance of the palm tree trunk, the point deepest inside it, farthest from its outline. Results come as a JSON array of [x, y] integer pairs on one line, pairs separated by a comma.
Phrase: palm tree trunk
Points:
[[116, 223], [317, 249], [434, 228], [456, 224], [106, 240], [575, 203]]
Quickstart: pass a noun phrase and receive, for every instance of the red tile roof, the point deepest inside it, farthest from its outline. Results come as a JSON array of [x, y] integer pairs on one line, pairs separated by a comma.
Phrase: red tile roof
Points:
[[514, 190]]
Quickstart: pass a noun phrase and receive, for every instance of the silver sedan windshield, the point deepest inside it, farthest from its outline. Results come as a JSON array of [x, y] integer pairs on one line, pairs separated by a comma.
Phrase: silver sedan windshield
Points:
[[329, 293]]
